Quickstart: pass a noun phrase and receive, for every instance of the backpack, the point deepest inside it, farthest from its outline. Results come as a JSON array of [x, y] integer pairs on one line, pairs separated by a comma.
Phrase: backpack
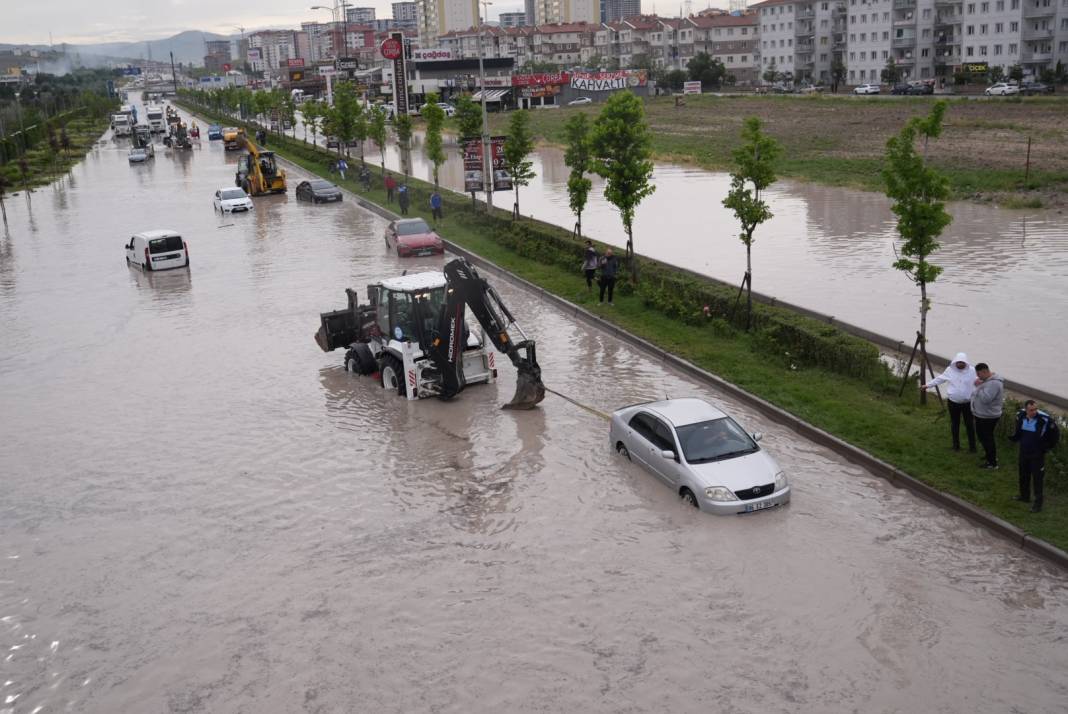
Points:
[[1052, 435]]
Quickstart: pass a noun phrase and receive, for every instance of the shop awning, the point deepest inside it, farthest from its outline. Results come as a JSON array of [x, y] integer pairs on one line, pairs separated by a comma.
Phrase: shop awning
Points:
[[492, 95]]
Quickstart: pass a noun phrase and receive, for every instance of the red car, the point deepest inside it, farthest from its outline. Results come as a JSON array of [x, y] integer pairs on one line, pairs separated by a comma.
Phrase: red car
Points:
[[412, 236]]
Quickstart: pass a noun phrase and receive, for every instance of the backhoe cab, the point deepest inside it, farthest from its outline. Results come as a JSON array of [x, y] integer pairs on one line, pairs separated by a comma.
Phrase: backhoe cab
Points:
[[413, 332], [257, 171]]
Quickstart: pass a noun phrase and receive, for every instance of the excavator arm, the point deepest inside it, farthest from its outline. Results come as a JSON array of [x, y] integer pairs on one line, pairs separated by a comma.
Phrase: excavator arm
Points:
[[467, 288]]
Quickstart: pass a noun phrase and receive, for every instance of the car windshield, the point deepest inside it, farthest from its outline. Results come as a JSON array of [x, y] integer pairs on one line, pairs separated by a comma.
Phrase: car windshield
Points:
[[164, 245], [232, 193], [321, 185], [411, 228], [714, 440]]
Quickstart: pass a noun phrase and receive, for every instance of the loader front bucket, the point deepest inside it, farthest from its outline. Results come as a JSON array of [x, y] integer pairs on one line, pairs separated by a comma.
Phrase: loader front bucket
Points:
[[529, 390]]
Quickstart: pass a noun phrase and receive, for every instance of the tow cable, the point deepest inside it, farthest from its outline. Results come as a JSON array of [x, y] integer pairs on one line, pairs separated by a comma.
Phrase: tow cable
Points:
[[580, 405]]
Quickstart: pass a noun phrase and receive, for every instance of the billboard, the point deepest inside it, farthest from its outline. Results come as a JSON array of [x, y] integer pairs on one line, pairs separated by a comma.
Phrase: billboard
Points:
[[296, 75], [691, 87], [294, 62], [474, 168], [254, 54], [608, 81]]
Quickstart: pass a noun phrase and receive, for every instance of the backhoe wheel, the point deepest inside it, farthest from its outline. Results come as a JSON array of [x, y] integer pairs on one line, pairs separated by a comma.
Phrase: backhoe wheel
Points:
[[393, 375], [359, 360]]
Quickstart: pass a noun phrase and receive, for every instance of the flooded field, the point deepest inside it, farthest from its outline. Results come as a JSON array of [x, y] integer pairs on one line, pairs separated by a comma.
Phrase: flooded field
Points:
[[202, 512]]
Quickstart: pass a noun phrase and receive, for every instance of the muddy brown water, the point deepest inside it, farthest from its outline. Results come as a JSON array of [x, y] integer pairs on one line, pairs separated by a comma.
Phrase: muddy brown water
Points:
[[831, 250], [202, 512]]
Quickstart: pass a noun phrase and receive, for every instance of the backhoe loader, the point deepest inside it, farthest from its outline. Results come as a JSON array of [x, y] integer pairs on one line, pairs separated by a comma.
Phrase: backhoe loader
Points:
[[257, 171]]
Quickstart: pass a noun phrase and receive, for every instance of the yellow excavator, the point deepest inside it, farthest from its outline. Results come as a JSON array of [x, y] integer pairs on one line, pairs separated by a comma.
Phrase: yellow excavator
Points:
[[232, 138], [257, 171]]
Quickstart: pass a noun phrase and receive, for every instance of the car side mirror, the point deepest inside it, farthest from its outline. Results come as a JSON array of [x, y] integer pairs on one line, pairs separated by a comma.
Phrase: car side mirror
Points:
[[757, 435], [668, 454]]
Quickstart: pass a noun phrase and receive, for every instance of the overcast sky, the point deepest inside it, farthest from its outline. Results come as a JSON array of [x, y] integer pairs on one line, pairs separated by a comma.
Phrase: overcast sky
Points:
[[92, 21]]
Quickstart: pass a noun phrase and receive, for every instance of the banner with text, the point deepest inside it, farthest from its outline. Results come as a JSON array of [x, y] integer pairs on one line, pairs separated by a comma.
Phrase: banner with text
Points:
[[474, 168], [608, 81]]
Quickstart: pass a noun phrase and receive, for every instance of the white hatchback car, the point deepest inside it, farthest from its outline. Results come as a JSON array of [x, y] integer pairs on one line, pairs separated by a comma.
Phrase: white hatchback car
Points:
[[1002, 89], [710, 461], [232, 200], [867, 89]]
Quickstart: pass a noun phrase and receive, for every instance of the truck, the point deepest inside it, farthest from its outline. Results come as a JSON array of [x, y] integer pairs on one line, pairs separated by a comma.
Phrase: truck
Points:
[[121, 125], [414, 335], [131, 111], [156, 120], [233, 138]]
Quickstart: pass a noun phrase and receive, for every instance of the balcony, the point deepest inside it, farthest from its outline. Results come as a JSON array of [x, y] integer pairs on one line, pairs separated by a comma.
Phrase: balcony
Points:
[[942, 4], [904, 4], [1036, 56], [1032, 9], [808, 14], [904, 61], [947, 60], [903, 42], [904, 18], [1039, 35]]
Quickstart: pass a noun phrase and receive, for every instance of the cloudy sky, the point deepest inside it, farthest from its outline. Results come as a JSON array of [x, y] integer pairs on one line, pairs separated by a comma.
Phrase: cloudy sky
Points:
[[91, 21]]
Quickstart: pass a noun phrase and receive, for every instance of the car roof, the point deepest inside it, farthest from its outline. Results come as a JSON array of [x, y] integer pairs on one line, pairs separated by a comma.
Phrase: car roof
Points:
[[405, 221], [687, 410], [158, 233], [415, 281]]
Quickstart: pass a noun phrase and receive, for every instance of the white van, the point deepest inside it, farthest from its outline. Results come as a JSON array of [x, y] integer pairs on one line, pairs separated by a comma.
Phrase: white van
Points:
[[157, 250]]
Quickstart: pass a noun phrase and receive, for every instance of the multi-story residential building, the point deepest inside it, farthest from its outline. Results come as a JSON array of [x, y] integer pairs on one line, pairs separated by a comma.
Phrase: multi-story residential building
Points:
[[318, 41], [734, 40], [617, 10], [876, 29], [562, 12], [564, 45], [513, 19], [360, 15], [528, 8], [405, 14], [796, 36], [217, 47], [1000, 32], [436, 17], [273, 47]]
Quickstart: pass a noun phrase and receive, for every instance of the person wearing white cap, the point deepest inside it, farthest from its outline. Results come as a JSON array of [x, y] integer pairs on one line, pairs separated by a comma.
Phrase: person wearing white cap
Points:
[[960, 378]]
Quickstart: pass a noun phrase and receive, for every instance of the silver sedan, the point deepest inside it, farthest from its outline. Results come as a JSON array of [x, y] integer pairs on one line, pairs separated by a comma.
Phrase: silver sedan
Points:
[[710, 461]]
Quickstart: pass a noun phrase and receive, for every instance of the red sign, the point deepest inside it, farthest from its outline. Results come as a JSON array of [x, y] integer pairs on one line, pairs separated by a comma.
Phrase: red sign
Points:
[[227, 67], [295, 62], [539, 80], [392, 49]]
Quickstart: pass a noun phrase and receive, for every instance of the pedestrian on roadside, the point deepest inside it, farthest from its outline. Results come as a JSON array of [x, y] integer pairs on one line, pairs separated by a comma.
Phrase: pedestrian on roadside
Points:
[[1036, 433], [365, 177], [589, 265], [391, 186], [342, 167], [961, 377], [403, 199], [609, 270], [987, 402], [435, 205]]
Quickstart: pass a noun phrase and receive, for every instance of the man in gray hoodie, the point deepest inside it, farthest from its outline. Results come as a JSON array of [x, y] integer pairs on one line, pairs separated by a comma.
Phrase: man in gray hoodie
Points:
[[986, 408]]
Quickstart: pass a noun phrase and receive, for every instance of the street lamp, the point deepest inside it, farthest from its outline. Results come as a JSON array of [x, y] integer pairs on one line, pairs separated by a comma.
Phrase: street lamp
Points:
[[487, 158]]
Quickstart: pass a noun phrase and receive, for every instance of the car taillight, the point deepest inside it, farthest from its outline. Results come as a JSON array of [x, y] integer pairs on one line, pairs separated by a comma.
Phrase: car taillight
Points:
[[186, 246], [147, 259]]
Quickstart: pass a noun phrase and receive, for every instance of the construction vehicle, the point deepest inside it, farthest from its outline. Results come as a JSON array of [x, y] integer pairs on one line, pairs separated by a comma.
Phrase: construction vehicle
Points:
[[178, 138], [414, 335], [232, 138], [257, 171]]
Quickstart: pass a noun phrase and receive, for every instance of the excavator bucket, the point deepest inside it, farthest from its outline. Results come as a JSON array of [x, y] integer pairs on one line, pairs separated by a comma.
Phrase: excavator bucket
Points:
[[529, 390]]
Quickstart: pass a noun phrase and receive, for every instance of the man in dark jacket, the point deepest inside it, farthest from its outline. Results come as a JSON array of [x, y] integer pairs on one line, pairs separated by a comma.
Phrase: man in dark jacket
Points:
[[609, 270], [1036, 432]]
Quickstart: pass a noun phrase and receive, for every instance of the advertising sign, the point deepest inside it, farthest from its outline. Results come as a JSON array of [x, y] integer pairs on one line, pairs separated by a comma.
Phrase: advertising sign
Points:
[[295, 62], [392, 48], [254, 54], [327, 71], [976, 67], [346, 63], [497, 82], [539, 80], [550, 90], [395, 46], [432, 55], [227, 67], [296, 75], [474, 168], [691, 87], [608, 81]]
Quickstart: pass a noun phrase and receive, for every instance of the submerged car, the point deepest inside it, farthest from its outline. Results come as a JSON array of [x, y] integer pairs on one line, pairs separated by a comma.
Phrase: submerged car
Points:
[[140, 154], [215, 133], [232, 200], [702, 453], [412, 236], [318, 191]]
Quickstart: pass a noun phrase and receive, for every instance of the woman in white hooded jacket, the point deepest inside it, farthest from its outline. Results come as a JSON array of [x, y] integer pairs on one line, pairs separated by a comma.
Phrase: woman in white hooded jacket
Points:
[[960, 377]]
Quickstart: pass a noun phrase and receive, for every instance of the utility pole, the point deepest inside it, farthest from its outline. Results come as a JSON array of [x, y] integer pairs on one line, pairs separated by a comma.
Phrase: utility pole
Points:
[[174, 75], [487, 156]]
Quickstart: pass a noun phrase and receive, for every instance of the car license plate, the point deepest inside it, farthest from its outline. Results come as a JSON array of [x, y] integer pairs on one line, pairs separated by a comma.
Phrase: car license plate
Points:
[[758, 506], [425, 251], [162, 257]]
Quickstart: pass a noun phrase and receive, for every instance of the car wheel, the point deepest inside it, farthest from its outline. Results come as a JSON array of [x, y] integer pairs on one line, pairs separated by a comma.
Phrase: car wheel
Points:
[[688, 498], [393, 375], [621, 449]]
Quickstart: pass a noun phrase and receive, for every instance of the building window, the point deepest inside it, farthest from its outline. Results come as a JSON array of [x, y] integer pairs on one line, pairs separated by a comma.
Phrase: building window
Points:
[[982, 51], [969, 51], [925, 52], [982, 29], [886, 54], [970, 30], [971, 8], [1014, 27], [985, 7], [997, 49], [1012, 48], [927, 13], [1000, 5]]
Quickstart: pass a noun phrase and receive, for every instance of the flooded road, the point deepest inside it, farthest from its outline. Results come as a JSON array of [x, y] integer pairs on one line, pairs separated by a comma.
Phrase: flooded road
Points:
[[831, 250], [202, 512]]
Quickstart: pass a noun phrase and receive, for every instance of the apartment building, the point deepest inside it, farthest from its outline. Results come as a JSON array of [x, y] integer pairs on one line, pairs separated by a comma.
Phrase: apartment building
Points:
[[564, 44], [562, 12], [617, 10], [513, 19], [360, 15], [797, 37], [875, 29], [405, 14], [734, 40], [436, 17], [269, 49]]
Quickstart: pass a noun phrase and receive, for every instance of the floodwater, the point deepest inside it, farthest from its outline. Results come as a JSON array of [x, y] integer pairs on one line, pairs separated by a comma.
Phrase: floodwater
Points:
[[202, 512], [831, 250]]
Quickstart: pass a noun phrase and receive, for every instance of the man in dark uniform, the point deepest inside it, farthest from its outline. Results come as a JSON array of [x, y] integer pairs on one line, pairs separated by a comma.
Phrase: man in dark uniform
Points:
[[1036, 433]]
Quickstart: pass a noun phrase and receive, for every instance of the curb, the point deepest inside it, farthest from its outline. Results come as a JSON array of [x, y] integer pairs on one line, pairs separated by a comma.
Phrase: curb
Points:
[[997, 526]]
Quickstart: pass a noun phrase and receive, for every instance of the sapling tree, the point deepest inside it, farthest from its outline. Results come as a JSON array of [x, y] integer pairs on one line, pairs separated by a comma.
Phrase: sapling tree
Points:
[[376, 130], [402, 127], [469, 125], [517, 148], [435, 120], [577, 158]]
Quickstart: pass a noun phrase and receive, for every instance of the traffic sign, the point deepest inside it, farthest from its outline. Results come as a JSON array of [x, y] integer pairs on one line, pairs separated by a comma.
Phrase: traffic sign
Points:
[[392, 48]]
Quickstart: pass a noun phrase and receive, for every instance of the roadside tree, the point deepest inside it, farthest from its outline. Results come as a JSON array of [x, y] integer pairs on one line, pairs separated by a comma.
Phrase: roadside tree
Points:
[[1016, 73], [577, 158], [4, 184], [754, 171], [707, 70], [996, 74], [838, 74], [891, 73], [469, 125], [517, 148], [376, 130], [287, 110], [433, 146], [621, 147], [341, 118], [312, 110], [771, 74], [402, 127], [918, 193], [64, 141]]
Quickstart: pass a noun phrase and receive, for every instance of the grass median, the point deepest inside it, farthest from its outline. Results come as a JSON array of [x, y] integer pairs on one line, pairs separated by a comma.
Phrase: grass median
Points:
[[43, 165], [865, 411]]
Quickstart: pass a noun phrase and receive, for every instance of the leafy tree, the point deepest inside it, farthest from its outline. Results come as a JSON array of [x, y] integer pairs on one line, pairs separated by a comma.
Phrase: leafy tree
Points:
[[1060, 73], [675, 79], [53, 144], [621, 146], [341, 118], [24, 172], [641, 61], [313, 111], [287, 108], [996, 74], [771, 74], [1047, 76], [1016, 73], [469, 124], [707, 70], [838, 73], [517, 148], [534, 67], [433, 146], [376, 130], [261, 103], [891, 73], [754, 165], [361, 127], [402, 127], [919, 194], [577, 158]]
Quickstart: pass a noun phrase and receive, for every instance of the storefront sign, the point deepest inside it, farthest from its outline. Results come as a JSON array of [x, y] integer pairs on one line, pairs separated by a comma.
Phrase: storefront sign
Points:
[[975, 67], [295, 62], [497, 82], [535, 92], [608, 81], [392, 48], [539, 80], [434, 55]]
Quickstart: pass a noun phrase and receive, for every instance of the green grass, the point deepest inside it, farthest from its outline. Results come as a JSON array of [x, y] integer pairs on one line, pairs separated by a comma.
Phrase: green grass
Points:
[[44, 166], [867, 414]]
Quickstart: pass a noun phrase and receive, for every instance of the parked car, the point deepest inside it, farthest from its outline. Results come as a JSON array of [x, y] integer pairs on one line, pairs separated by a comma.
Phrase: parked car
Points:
[[867, 89], [920, 88], [449, 109], [232, 200], [157, 250], [579, 102], [214, 132], [318, 191], [701, 453], [812, 89], [332, 142], [1030, 88], [1001, 89], [900, 88], [412, 236]]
